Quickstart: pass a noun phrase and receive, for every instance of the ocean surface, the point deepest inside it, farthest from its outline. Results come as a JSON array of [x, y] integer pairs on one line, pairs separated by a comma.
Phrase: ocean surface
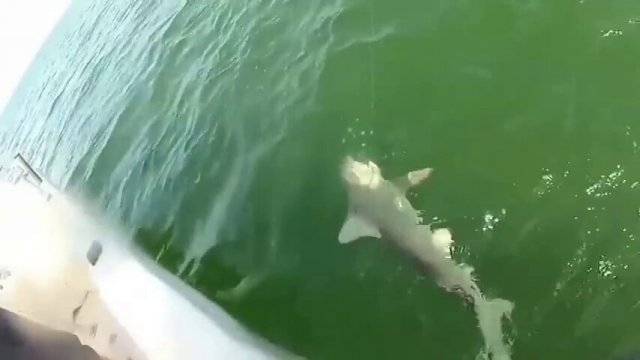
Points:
[[213, 131]]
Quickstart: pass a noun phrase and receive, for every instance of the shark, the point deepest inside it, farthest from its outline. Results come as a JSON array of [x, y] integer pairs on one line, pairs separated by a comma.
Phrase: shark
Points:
[[379, 208]]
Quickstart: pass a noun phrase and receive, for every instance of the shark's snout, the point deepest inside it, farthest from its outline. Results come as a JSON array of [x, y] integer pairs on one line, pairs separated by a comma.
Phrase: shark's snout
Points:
[[359, 173]]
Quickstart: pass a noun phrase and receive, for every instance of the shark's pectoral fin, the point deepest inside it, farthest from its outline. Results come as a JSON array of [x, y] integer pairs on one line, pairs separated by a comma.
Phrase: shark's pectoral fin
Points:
[[443, 241], [356, 227], [411, 179]]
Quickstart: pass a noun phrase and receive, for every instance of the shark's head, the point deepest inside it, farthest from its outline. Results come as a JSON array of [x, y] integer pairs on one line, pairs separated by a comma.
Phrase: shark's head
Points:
[[361, 174]]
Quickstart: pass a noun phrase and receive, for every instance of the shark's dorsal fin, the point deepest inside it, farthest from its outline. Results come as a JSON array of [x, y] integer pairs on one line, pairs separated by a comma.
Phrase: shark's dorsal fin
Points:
[[411, 179], [442, 240], [356, 227]]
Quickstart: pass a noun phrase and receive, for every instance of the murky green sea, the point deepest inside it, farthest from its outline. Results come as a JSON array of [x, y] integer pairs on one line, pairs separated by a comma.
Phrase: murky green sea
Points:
[[214, 131]]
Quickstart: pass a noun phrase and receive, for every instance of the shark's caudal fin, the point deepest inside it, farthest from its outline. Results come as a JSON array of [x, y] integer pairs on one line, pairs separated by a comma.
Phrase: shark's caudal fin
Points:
[[356, 227], [490, 313]]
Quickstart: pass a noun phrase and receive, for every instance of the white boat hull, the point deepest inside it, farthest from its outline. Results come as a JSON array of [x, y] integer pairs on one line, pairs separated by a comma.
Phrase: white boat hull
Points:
[[62, 268]]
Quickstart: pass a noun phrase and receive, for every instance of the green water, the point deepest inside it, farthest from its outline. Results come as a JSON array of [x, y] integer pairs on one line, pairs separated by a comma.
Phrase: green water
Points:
[[214, 132]]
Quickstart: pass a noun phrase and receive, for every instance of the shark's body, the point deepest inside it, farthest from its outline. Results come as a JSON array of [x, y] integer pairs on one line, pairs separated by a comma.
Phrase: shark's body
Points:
[[379, 208]]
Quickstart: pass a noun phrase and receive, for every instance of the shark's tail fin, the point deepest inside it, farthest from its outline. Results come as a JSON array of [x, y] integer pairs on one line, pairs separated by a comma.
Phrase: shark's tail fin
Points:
[[490, 313]]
